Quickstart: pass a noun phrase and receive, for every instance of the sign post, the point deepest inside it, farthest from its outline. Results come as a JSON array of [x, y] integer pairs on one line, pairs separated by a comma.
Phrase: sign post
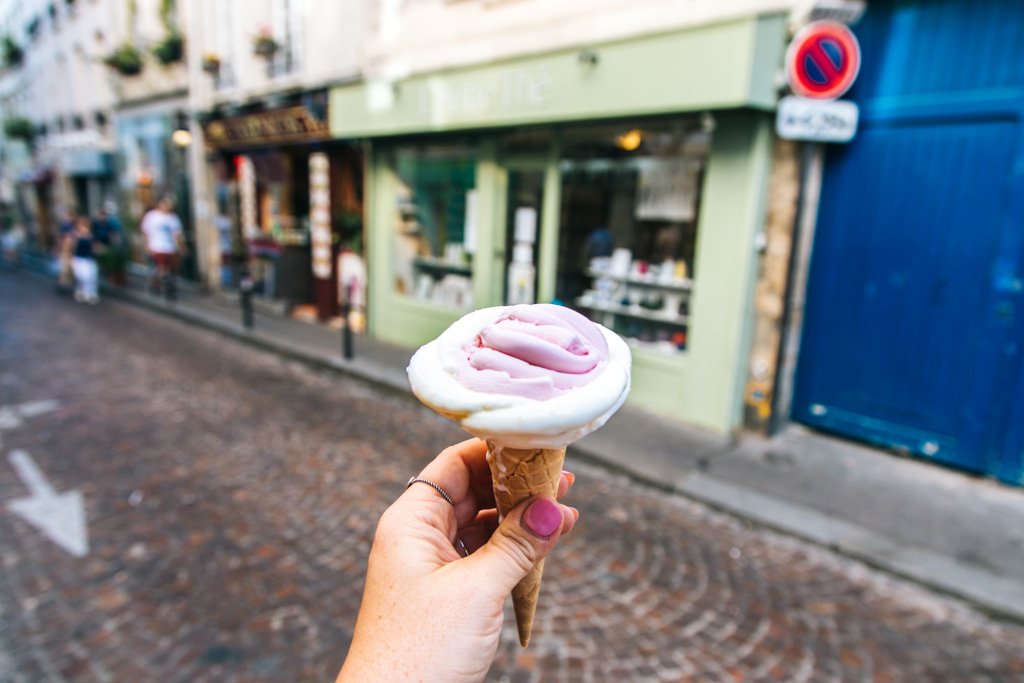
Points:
[[822, 62]]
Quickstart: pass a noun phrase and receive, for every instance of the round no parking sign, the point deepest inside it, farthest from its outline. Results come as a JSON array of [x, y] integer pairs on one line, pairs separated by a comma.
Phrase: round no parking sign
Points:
[[822, 60]]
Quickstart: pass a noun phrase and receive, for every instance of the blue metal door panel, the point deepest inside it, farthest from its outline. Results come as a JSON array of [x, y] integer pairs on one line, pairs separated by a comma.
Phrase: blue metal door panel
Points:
[[912, 332], [908, 232]]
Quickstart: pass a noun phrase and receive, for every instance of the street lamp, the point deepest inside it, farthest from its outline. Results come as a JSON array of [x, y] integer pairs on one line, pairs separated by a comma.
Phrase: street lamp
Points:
[[181, 138]]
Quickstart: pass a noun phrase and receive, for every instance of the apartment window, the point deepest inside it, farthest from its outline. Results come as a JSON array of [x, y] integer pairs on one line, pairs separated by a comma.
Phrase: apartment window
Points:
[[224, 41], [286, 20]]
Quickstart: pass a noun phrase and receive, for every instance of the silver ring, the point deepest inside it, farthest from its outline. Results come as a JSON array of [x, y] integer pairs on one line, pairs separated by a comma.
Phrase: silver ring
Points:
[[414, 480]]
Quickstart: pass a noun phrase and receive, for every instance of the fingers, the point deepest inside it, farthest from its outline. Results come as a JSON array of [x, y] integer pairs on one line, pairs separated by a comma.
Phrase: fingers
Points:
[[476, 534], [524, 537], [462, 471], [565, 483]]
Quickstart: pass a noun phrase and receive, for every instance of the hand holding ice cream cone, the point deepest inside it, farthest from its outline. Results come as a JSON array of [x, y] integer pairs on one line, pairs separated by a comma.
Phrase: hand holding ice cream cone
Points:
[[529, 380], [441, 568]]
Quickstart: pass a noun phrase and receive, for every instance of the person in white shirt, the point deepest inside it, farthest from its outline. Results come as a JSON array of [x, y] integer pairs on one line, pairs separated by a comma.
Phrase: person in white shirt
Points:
[[165, 243]]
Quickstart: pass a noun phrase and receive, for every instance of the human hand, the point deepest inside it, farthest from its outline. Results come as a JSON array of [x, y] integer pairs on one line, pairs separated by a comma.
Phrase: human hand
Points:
[[428, 613]]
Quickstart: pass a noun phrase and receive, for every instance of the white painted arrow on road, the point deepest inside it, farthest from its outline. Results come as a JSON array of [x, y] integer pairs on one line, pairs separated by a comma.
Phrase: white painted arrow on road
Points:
[[61, 516], [11, 416]]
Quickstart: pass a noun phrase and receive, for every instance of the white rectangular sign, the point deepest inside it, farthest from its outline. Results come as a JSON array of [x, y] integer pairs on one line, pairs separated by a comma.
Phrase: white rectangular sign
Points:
[[800, 118]]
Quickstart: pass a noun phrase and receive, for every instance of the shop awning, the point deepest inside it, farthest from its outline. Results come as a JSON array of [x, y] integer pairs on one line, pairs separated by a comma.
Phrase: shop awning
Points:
[[87, 162], [40, 174]]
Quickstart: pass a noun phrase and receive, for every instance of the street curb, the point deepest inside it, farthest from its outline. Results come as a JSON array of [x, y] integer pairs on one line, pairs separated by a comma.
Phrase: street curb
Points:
[[360, 371], [994, 595]]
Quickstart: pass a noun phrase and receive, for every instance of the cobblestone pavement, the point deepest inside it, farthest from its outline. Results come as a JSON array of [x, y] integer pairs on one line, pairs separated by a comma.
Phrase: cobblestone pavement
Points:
[[231, 498]]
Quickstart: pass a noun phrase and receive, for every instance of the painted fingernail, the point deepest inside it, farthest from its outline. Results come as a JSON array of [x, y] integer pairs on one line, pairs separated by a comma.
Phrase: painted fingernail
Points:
[[543, 517], [570, 476]]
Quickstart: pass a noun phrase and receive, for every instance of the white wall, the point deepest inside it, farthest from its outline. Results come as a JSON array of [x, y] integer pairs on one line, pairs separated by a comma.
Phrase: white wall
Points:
[[414, 36], [60, 74], [325, 39]]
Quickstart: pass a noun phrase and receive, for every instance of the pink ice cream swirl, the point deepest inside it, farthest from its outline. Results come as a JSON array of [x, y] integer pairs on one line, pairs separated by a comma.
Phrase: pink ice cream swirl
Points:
[[536, 352]]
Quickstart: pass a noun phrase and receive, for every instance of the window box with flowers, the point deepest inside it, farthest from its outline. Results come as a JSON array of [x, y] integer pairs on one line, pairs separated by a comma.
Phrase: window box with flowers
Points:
[[126, 60], [171, 49], [264, 44], [19, 128], [11, 52], [211, 63]]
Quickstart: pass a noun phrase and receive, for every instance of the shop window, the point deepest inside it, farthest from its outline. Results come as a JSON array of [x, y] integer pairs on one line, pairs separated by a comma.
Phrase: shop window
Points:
[[436, 224], [630, 202]]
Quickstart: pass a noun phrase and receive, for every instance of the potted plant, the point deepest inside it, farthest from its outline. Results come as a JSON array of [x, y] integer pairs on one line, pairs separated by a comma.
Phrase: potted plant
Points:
[[171, 49], [211, 63], [12, 53], [19, 128], [264, 44], [125, 59]]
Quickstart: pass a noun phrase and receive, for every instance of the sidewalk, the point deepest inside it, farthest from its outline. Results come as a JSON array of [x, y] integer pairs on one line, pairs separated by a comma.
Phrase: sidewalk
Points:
[[955, 533]]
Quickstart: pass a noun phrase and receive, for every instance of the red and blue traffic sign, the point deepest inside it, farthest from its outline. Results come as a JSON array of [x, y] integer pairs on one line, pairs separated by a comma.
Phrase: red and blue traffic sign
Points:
[[822, 60]]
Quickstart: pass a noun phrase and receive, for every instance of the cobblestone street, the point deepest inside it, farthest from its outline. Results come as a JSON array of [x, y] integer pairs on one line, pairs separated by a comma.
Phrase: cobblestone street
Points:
[[231, 498]]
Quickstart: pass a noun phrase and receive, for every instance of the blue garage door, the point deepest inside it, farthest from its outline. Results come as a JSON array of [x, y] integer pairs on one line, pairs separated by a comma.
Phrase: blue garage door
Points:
[[911, 338]]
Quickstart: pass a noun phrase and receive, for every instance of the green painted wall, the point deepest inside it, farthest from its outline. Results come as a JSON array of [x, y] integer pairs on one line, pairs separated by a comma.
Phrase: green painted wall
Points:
[[719, 66]]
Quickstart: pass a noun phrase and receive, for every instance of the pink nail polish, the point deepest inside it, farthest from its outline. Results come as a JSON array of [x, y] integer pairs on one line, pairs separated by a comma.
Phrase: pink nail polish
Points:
[[543, 517]]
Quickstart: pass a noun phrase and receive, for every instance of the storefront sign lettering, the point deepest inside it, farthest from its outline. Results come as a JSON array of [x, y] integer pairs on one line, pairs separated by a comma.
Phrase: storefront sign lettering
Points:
[[446, 99], [279, 125]]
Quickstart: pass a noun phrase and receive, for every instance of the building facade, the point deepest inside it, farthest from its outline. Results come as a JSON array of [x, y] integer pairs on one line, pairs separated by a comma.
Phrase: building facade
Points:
[[424, 158], [613, 158], [58, 101], [280, 201]]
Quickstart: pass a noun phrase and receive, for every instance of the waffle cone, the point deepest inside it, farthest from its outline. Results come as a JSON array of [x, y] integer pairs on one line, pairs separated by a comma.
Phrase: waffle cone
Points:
[[519, 473]]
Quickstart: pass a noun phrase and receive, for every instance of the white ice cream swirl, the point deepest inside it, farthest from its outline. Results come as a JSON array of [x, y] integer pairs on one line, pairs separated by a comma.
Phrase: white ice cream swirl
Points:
[[539, 376]]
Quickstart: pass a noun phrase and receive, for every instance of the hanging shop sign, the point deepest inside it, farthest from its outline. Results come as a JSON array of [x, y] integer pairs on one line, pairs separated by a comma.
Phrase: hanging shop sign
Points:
[[800, 118], [320, 214], [822, 60], [273, 126]]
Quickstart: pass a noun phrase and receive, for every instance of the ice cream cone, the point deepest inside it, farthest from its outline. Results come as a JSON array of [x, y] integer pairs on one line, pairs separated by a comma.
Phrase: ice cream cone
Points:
[[519, 473]]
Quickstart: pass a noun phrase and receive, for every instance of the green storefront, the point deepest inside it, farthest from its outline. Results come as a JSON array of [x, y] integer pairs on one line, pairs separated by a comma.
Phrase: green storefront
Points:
[[626, 180]]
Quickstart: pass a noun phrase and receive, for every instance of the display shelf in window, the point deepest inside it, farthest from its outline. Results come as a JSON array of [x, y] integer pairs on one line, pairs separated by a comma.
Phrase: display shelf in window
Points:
[[647, 304], [435, 265], [634, 311], [680, 284], [433, 252]]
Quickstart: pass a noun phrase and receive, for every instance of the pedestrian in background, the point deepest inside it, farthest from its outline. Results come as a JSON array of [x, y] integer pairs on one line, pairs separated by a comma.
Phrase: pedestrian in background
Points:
[[106, 230], [65, 232], [165, 242], [82, 248], [12, 241]]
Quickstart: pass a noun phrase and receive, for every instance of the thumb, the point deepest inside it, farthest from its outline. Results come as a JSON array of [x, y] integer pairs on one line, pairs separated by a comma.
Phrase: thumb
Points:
[[522, 540]]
